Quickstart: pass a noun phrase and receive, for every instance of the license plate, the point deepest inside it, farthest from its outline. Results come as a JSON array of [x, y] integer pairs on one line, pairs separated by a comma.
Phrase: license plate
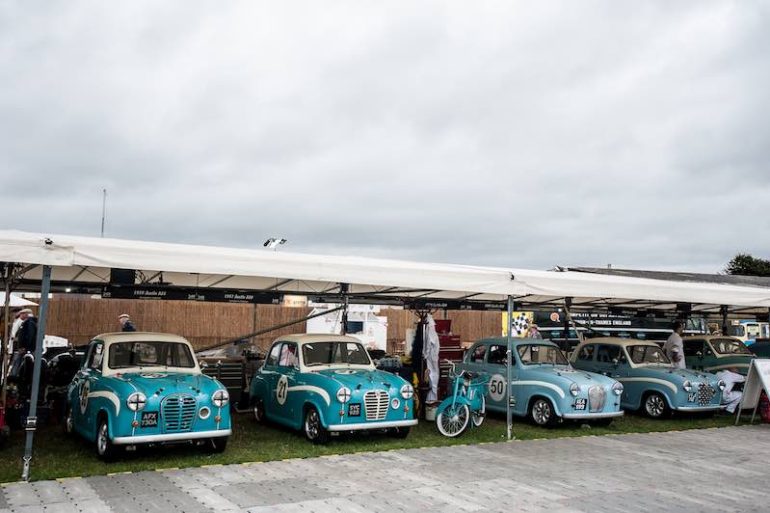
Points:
[[691, 397], [354, 410], [580, 404], [149, 419]]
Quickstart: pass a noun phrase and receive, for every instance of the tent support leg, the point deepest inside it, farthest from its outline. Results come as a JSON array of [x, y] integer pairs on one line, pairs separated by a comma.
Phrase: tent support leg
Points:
[[31, 423], [723, 311], [345, 305], [509, 372], [4, 349]]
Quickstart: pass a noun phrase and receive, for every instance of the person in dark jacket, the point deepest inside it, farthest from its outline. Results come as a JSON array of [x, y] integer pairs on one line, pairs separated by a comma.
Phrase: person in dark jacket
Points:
[[26, 337], [125, 323]]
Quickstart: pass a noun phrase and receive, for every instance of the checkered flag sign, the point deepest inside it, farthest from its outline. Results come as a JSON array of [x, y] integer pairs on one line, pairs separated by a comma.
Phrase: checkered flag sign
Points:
[[521, 323]]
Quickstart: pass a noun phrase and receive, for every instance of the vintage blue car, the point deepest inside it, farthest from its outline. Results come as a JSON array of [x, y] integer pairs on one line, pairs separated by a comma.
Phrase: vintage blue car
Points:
[[327, 383], [650, 381], [544, 386], [713, 353], [145, 388]]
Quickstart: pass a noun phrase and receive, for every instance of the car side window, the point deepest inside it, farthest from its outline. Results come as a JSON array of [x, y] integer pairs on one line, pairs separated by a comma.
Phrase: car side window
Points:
[[477, 356], [607, 353], [288, 356], [586, 353], [693, 347], [96, 356], [272, 359], [497, 355]]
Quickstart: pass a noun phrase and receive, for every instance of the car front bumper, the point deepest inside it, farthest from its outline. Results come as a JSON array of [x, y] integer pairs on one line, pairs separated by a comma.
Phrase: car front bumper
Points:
[[359, 426], [710, 407], [172, 437], [589, 416]]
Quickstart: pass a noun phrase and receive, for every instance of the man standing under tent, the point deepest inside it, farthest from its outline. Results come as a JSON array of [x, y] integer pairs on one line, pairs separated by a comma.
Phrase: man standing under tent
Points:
[[26, 336], [430, 354], [125, 323], [674, 347]]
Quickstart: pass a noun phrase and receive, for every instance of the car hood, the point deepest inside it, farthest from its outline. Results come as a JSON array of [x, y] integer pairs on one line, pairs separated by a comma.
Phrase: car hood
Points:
[[167, 383], [352, 378], [676, 374], [568, 374]]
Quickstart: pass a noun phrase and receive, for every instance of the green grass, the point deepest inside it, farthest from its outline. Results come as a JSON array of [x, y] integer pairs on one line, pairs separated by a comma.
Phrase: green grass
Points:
[[58, 456]]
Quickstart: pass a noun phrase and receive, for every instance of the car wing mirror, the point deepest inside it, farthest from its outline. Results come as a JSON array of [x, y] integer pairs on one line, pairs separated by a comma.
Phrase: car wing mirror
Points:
[[699, 354], [203, 365], [615, 362]]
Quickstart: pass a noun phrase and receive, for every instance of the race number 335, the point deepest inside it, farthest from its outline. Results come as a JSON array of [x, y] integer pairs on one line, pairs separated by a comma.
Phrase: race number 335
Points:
[[497, 387]]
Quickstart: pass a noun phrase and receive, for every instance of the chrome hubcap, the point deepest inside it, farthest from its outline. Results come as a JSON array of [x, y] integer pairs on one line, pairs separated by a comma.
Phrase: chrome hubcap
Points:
[[655, 406], [311, 425], [541, 412], [102, 443], [68, 422], [257, 412]]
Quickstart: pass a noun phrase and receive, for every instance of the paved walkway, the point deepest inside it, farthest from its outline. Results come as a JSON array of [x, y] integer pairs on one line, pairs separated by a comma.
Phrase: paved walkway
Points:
[[675, 472]]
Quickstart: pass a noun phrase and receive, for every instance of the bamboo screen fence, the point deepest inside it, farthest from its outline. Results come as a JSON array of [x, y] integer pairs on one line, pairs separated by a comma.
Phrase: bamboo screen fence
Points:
[[79, 318]]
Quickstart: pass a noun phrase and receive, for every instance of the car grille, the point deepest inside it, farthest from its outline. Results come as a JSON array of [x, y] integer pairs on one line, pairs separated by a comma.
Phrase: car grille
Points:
[[178, 413], [376, 404], [597, 396], [705, 394]]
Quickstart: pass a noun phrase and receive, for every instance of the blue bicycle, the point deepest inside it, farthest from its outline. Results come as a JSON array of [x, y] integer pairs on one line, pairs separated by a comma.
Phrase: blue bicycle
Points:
[[466, 404]]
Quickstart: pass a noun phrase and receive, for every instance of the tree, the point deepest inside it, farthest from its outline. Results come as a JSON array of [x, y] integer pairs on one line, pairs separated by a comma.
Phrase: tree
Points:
[[747, 265]]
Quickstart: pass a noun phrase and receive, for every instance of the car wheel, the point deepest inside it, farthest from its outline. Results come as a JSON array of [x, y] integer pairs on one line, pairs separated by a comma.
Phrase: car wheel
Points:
[[258, 410], [478, 416], [399, 432], [314, 430], [655, 406], [215, 445], [452, 421], [69, 422], [104, 448], [541, 412]]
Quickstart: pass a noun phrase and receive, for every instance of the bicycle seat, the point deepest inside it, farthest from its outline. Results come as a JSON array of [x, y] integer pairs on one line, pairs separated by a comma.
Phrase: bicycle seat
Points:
[[469, 374]]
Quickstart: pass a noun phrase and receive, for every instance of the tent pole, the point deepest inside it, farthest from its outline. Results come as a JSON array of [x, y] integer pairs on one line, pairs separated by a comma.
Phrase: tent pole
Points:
[[509, 371], [32, 415], [345, 304], [568, 320], [723, 311], [6, 333]]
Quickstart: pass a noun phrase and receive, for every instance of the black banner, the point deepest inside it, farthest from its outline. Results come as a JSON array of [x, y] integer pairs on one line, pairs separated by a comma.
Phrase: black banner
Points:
[[191, 294]]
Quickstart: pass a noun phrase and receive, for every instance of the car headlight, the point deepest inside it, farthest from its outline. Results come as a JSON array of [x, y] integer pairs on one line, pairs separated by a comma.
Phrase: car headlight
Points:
[[395, 403], [687, 385], [136, 401], [343, 395], [574, 389], [618, 388], [721, 384], [220, 398], [407, 392]]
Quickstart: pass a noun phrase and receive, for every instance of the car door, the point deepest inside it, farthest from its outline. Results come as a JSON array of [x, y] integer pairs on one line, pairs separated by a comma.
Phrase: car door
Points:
[[496, 367], [86, 381], [694, 353], [270, 373], [286, 378]]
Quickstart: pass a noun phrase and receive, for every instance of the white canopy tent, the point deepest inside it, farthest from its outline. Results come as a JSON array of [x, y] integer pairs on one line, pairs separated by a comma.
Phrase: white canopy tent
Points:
[[16, 301], [43, 261], [87, 261]]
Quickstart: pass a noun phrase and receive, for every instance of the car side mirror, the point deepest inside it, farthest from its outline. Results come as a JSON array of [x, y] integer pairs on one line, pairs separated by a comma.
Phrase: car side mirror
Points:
[[203, 365], [699, 354], [615, 362]]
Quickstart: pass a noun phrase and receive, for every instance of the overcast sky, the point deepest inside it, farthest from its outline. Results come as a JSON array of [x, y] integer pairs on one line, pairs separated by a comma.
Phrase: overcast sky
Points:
[[495, 133]]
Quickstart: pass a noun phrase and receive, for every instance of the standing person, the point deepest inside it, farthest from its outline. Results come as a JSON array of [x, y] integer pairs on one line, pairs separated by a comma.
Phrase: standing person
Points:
[[731, 398], [674, 348], [125, 323], [26, 337], [534, 332]]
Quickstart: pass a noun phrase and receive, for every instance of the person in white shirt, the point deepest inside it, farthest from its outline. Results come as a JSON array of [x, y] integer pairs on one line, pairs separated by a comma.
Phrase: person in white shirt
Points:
[[731, 398], [289, 356], [674, 348]]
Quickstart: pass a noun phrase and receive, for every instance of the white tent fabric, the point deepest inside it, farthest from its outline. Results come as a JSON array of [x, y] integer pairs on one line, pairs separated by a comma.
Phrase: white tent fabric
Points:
[[89, 260], [16, 301]]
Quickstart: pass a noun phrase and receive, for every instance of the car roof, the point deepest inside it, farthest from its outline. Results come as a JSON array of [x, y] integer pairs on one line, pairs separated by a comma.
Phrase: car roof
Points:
[[515, 341], [619, 341], [139, 336], [710, 337], [309, 338]]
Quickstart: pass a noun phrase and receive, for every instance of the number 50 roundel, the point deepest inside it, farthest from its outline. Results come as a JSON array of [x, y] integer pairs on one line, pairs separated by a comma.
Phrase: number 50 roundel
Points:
[[497, 387]]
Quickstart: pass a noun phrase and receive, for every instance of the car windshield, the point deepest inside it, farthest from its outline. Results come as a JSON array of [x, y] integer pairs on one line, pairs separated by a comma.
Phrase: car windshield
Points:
[[150, 354], [334, 353], [729, 346], [532, 354], [648, 354]]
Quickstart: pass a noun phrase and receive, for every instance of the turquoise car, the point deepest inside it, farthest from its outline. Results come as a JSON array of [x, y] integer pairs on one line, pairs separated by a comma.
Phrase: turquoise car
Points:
[[544, 386], [327, 383], [713, 353], [651, 383], [145, 388]]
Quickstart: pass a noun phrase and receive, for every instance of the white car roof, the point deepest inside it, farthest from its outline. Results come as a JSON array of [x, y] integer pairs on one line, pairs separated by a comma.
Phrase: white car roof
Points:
[[140, 336], [310, 338]]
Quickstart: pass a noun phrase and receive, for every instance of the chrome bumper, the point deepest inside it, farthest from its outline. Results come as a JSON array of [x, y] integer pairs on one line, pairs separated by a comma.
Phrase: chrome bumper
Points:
[[601, 415], [711, 407], [173, 437], [358, 426]]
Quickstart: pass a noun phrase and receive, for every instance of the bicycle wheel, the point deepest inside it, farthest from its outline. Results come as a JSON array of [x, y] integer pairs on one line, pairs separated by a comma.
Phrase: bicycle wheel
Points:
[[453, 420], [478, 416]]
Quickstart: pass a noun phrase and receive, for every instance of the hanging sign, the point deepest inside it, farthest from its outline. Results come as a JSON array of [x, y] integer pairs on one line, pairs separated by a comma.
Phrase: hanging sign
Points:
[[758, 379]]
